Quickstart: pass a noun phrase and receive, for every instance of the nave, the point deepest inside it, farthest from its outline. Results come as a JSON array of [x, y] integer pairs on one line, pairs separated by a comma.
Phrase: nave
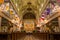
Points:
[[29, 19]]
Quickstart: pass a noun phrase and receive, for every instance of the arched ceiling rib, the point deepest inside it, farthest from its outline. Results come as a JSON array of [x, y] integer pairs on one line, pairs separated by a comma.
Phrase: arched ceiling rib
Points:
[[23, 4]]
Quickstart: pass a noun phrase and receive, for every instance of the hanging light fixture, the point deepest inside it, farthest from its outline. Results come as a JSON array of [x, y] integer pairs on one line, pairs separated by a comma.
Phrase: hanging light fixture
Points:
[[18, 9], [40, 9], [42, 5], [16, 4], [13, 21]]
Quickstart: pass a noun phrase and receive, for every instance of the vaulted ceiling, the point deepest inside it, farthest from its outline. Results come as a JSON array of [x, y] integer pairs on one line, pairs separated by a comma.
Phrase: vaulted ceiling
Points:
[[35, 5]]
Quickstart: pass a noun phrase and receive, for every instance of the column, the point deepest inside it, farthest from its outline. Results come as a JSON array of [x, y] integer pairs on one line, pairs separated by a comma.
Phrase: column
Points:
[[59, 21], [0, 20], [0, 23]]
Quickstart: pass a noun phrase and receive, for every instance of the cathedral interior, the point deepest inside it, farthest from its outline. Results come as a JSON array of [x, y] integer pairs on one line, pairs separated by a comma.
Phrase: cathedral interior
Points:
[[29, 19]]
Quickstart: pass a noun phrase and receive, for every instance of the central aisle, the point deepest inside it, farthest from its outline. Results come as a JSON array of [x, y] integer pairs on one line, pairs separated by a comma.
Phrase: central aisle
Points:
[[30, 36]]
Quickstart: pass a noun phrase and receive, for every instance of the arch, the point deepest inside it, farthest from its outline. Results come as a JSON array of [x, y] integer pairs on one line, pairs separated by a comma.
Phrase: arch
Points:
[[29, 15]]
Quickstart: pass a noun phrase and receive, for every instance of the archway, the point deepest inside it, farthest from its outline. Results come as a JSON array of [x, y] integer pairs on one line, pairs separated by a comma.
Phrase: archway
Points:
[[29, 22], [29, 15]]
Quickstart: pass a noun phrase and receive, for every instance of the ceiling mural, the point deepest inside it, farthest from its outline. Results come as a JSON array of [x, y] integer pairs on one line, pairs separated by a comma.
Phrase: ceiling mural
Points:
[[22, 5]]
